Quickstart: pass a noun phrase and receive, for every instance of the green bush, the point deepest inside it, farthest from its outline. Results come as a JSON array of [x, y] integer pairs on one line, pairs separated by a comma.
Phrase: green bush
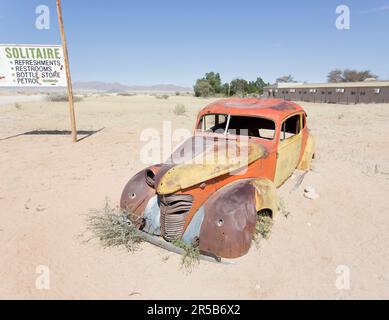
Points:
[[203, 88]]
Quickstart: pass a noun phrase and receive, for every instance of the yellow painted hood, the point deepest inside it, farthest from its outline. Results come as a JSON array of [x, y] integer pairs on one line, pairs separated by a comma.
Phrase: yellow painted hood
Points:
[[214, 158]]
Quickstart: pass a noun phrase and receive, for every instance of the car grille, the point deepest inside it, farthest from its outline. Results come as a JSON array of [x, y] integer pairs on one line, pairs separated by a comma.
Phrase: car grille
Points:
[[174, 209]]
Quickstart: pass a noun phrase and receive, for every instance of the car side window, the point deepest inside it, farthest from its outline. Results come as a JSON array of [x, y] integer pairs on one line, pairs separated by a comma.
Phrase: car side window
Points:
[[213, 123], [290, 127]]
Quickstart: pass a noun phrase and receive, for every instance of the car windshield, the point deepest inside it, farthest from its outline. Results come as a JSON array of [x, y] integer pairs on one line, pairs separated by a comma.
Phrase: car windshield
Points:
[[238, 125]]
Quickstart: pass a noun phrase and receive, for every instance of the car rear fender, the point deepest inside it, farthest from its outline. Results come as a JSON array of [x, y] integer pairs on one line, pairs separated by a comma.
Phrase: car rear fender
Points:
[[265, 195], [309, 151]]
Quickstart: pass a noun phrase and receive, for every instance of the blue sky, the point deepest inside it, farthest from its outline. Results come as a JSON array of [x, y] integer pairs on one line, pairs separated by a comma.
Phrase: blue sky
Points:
[[169, 41]]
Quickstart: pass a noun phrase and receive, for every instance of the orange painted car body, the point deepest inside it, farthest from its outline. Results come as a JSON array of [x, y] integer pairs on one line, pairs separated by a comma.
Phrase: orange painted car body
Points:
[[273, 109]]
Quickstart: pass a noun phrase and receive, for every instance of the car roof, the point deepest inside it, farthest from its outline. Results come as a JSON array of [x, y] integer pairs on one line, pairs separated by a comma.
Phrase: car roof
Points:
[[275, 109]]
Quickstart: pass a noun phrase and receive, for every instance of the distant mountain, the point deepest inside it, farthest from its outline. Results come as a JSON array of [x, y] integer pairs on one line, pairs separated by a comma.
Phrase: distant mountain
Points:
[[114, 87], [118, 87], [99, 86]]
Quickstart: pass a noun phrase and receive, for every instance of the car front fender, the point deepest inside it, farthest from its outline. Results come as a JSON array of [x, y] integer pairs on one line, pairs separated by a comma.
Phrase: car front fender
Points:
[[229, 220]]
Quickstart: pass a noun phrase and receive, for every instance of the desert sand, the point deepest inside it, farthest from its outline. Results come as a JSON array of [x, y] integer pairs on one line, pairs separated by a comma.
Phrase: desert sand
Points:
[[48, 185]]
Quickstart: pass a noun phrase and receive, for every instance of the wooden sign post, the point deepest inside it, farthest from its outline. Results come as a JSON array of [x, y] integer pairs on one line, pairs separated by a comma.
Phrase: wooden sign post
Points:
[[68, 78]]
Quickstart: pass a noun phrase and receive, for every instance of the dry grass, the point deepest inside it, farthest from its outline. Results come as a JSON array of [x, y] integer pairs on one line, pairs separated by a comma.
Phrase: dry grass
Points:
[[126, 94], [191, 255], [263, 226], [179, 109], [163, 96], [112, 228], [62, 97]]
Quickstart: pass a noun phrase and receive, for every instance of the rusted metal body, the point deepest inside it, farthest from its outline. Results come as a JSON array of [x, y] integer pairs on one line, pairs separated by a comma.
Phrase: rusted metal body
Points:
[[136, 194], [173, 209], [229, 220], [215, 204]]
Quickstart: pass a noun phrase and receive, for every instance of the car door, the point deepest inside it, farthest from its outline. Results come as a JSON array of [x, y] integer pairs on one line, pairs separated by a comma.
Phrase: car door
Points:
[[289, 148]]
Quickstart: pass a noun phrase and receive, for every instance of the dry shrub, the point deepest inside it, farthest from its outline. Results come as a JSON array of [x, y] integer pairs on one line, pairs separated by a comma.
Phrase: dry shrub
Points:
[[125, 94], [102, 95], [263, 226], [112, 228], [179, 109], [164, 96], [62, 97], [191, 255]]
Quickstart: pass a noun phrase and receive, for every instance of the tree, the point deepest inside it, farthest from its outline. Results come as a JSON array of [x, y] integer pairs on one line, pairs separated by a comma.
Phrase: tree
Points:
[[238, 87], [284, 79], [211, 84], [335, 76], [251, 87], [208, 85], [354, 75], [203, 88], [349, 75], [225, 89], [256, 87], [214, 80]]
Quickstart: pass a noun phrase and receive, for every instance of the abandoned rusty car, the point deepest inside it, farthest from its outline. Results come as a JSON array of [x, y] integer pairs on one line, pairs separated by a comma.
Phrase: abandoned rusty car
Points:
[[213, 187]]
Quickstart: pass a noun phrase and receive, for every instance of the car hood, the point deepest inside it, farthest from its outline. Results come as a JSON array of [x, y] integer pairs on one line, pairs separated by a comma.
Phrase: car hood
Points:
[[201, 158]]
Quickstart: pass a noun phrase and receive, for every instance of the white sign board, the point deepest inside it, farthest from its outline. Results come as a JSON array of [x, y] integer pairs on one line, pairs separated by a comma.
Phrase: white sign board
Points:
[[32, 66]]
